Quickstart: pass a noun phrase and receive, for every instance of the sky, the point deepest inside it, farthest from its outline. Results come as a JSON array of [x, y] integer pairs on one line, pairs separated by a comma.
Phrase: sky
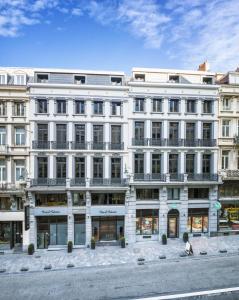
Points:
[[120, 34]]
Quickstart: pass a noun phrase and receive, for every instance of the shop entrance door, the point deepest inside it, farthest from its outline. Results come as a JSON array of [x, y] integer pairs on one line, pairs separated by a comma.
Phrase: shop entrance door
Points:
[[108, 230], [173, 216]]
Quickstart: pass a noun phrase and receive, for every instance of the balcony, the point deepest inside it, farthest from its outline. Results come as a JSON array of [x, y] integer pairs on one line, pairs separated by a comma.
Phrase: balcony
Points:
[[149, 177], [202, 177], [6, 186], [232, 174], [140, 142], [98, 146], [108, 182], [191, 143], [79, 146], [41, 145], [48, 182], [157, 142], [116, 146], [3, 149], [60, 145], [175, 142], [236, 140], [208, 143], [78, 182], [176, 177]]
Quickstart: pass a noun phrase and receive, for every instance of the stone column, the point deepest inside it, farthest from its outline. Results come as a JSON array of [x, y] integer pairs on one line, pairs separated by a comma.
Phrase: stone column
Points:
[[183, 217], [212, 215], [163, 212], [33, 223], [88, 224], [70, 223], [130, 215]]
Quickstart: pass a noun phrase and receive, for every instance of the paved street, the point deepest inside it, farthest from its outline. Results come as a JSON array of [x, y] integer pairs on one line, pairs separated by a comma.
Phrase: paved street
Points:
[[125, 281]]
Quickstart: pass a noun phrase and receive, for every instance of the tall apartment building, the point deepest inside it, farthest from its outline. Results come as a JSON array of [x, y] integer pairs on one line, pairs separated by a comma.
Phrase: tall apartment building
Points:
[[78, 186], [228, 140], [173, 152], [14, 161]]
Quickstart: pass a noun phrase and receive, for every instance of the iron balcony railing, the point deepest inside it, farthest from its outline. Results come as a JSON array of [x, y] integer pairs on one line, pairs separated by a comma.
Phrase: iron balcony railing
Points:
[[176, 177], [208, 143], [79, 146], [98, 146], [41, 145], [232, 173], [149, 177], [108, 181], [202, 177], [140, 142], [77, 181], [60, 145], [175, 142], [191, 142], [48, 182], [116, 146], [157, 142]]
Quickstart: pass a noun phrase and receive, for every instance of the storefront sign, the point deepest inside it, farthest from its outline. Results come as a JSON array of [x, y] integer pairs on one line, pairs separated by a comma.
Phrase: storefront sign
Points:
[[47, 211], [217, 205], [107, 211], [173, 205]]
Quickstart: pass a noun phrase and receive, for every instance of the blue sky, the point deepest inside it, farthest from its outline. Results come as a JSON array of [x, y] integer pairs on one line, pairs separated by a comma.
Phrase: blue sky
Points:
[[119, 34]]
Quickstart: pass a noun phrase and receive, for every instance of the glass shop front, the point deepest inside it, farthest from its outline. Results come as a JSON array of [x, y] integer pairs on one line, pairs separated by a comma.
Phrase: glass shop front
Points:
[[147, 221], [197, 220], [229, 215], [10, 234], [79, 229]]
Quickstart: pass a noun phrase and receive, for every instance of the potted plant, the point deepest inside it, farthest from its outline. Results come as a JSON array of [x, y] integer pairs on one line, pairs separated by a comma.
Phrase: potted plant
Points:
[[69, 247], [31, 249], [122, 242], [92, 243], [185, 237], [164, 239]]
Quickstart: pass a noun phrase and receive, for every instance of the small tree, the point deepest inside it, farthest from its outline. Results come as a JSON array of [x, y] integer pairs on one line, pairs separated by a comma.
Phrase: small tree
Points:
[[69, 247], [185, 237], [164, 239], [92, 243], [31, 249], [122, 242]]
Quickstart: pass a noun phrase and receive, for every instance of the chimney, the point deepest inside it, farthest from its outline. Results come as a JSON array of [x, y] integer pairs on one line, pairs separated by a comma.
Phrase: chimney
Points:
[[204, 66]]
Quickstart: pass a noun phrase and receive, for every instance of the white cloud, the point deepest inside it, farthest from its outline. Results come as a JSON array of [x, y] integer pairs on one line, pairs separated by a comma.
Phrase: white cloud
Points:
[[77, 12]]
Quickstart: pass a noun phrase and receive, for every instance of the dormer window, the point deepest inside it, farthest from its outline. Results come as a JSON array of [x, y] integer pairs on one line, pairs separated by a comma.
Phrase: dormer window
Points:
[[42, 78], [78, 79], [116, 80], [3, 79], [20, 79], [207, 80], [139, 77], [174, 78]]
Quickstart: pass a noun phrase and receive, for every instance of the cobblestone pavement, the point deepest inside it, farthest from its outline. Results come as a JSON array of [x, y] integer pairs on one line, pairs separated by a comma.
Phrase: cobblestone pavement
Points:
[[103, 256]]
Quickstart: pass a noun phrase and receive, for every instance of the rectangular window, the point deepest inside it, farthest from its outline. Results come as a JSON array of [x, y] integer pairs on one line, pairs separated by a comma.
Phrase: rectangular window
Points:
[[116, 108], [115, 167], [42, 106], [139, 131], [226, 104], [190, 132], [61, 167], [3, 108], [139, 77], [3, 79], [174, 105], [61, 133], [19, 79], [115, 136], [98, 108], [19, 109], [157, 105], [156, 163], [173, 193], [225, 128], [98, 134], [79, 167], [107, 199], [198, 193], [3, 170], [173, 131], [80, 133], [156, 130], [139, 163], [190, 163], [42, 78], [2, 135], [173, 78], [61, 106], [19, 170], [173, 164], [207, 106], [191, 106], [20, 136], [42, 167], [207, 80], [78, 199], [78, 79], [98, 167], [206, 164], [116, 80], [42, 132], [79, 107], [197, 223], [207, 131], [147, 221], [139, 105], [147, 194], [225, 159]]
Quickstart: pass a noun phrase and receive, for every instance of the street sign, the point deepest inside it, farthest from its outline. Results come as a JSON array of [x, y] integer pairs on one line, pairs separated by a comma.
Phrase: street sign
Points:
[[217, 205]]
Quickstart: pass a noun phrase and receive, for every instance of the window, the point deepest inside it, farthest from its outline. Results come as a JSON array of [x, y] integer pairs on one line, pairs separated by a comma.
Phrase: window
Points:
[[156, 163], [42, 106], [115, 136], [139, 105], [51, 200], [98, 136], [108, 199], [191, 106], [207, 131], [207, 106], [174, 78], [3, 175], [207, 80], [61, 106], [78, 199], [79, 167], [156, 130], [42, 133], [157, 105], [80, 133], [206, 163], [174, 105], [139, 163], [173, 193], [225, 159], [173, 164], [61, 167], [19, 170], [147, 194], [19, 136], [3, 109], [5, 204], [19, 79], [139, 131], [97, 167], [78, 79], [116, 108], [42, 167], [190, 132], [2, 135], [116, 80], [198, 193], [147, 221], [115, 167], [226, 104], [61, 134], [190, 163], [19, 109], [173, 131], [225, 128], [79, 107], [98, 108], [139, 77], [3, 79], [229, 189], [42, 78], [197, 220]]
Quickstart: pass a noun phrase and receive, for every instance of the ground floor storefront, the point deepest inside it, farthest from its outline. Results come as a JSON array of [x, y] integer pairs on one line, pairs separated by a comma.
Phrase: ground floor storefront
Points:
[[11, 234]]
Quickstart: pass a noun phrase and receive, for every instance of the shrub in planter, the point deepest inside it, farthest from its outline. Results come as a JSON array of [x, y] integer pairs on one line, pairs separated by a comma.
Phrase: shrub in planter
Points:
[[185, 237], [69, 247], [122, 242], [92, 243], [164, 239], [31, 249]]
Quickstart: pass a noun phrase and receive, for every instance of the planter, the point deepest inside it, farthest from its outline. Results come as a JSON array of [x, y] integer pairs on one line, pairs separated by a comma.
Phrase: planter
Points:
[[164, 239], [122, 242], [69, 247], [31, 249], [92, 244]]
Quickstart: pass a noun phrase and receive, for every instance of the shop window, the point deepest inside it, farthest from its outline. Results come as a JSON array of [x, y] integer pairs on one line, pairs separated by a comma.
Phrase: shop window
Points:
[[79, 229], [198, 193], [5, 203], [51, 200], [198, 221], [229, 189], [5, 232], [78, 199], [173, 193], [147, 221], [108, 199], [229, 215], [147, 194]]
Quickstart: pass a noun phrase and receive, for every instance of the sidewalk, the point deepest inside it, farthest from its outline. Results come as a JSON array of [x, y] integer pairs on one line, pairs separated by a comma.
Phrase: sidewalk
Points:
[[109, 255]]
